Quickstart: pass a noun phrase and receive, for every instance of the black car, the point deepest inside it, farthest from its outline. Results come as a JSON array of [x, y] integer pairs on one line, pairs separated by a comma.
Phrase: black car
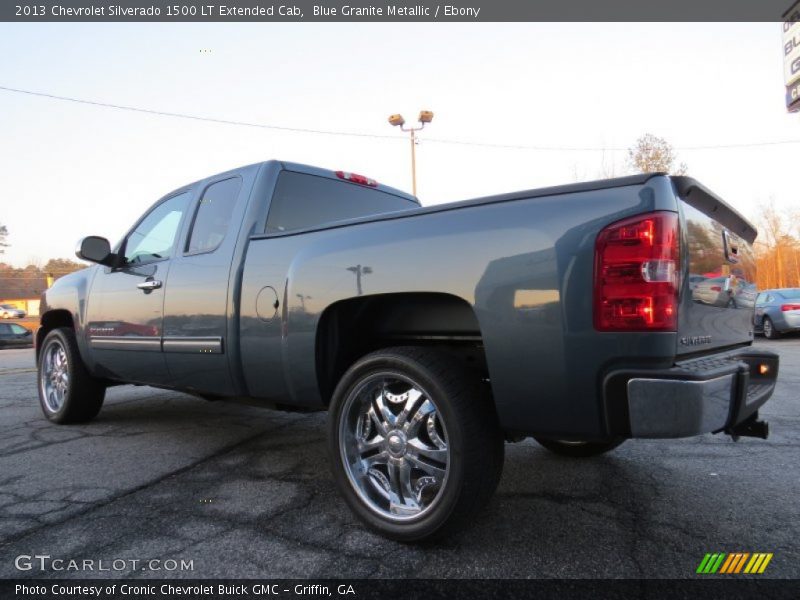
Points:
[[12, 334]]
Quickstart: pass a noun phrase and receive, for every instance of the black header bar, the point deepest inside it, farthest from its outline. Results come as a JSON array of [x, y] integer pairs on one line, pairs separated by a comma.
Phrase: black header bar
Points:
[[388, 11]]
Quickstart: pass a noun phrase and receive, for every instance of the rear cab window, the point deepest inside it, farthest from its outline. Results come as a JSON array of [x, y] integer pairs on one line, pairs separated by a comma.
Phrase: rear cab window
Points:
[[301, 201], [213, 216]]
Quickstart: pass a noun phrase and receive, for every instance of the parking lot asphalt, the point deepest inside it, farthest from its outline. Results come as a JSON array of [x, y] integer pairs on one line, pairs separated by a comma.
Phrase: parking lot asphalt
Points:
[[245, 492]]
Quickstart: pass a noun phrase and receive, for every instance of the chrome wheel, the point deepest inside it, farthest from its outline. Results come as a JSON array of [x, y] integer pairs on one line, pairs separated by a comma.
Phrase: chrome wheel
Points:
[[54, 376], [393, 444]]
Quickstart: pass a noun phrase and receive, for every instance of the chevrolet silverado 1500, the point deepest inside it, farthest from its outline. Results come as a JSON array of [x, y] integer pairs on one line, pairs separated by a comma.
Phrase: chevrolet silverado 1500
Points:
[[430, 334]]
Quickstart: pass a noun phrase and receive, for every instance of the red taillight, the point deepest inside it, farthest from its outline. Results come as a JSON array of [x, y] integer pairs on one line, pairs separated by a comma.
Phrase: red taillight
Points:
[[716, 288], [355, 178], [785, 307], [636, 274]]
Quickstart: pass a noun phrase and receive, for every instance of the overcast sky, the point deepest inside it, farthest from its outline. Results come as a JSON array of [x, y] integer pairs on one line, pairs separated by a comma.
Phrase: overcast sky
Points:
[[70, 170]]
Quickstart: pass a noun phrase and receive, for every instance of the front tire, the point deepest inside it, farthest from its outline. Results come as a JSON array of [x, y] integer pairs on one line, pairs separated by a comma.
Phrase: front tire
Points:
[[579, 448], [415, 444], [769, 329], [67, 392]]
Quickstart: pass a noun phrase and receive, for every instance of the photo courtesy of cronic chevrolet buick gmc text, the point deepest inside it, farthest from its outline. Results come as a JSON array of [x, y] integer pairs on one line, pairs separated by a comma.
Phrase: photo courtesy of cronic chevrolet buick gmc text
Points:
[[430, 335]]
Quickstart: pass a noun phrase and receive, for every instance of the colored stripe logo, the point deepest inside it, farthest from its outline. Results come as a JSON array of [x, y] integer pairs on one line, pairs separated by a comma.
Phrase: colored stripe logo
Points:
[[733, 563]]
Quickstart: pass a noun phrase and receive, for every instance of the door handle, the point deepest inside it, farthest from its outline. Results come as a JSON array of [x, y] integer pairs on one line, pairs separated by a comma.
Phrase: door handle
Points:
[[149, 285]]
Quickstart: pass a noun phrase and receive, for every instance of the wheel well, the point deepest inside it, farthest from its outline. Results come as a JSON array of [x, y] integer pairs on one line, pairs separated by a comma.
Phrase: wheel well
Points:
[[352, 328], [50, 320]]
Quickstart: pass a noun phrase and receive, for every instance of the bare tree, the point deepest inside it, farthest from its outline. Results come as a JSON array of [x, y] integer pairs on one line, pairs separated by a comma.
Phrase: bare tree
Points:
[[578, 172], [607, 169], [608, 166], [652, 154], [776, 249], [3, 237], [36, 261]]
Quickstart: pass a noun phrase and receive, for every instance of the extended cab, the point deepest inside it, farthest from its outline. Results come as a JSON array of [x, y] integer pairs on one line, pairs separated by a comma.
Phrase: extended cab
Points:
[[431, 335]]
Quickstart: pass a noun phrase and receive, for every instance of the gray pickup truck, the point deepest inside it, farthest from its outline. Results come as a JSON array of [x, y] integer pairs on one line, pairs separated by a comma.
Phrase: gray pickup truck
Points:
[[430, 334]]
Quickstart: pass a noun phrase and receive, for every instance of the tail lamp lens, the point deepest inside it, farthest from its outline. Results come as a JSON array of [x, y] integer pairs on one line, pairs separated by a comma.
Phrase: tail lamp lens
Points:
[[788, 307], [636, 274]]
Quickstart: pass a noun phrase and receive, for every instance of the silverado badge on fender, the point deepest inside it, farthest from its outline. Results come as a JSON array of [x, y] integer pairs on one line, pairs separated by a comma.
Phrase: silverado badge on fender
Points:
[[696, 340]]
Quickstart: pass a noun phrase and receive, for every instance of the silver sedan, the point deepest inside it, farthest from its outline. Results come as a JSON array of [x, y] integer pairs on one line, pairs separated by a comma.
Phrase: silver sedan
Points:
[[777, 312]]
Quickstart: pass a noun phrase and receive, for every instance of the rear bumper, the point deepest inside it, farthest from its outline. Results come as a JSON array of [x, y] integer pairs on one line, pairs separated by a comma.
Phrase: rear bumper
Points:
[[702, 395], [789, 321]]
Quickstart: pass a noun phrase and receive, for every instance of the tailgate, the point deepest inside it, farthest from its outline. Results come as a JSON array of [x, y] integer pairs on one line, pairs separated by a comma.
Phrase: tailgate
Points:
[[718, 290]]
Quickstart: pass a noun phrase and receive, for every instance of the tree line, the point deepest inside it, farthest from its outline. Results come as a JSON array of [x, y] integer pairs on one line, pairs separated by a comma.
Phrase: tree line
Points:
[[32, 280]]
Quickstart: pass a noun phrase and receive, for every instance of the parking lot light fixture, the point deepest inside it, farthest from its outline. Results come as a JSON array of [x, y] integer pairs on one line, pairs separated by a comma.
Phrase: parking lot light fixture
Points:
[[397, 120]]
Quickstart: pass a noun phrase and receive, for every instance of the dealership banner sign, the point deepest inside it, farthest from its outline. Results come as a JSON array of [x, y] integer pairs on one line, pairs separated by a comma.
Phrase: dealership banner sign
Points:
[[791, 57]]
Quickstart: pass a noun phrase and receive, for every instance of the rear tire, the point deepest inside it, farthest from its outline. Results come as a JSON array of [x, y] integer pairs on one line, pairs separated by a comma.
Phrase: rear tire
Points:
[[67, 392], [579, 449], [769, 329], [415, 445]]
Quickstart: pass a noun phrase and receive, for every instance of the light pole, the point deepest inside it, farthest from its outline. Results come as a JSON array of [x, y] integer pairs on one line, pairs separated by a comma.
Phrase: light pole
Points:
[[425, 116], [359, 271], [303, 299]]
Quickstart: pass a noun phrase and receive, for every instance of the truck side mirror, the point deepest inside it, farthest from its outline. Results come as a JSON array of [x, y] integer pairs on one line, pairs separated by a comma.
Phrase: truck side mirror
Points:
[[95, 249]]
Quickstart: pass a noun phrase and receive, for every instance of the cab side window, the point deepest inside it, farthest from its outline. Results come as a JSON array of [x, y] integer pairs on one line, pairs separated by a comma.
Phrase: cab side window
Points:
[[213, 216], [154, 237]]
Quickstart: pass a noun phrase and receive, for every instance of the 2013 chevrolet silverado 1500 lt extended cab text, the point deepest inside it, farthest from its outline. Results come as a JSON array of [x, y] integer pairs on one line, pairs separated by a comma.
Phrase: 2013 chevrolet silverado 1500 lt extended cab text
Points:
[[429, 334]]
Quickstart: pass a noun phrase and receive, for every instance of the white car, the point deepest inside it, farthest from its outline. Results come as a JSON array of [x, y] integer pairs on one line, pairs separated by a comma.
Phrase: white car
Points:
[[715, 291], [9, 311]]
